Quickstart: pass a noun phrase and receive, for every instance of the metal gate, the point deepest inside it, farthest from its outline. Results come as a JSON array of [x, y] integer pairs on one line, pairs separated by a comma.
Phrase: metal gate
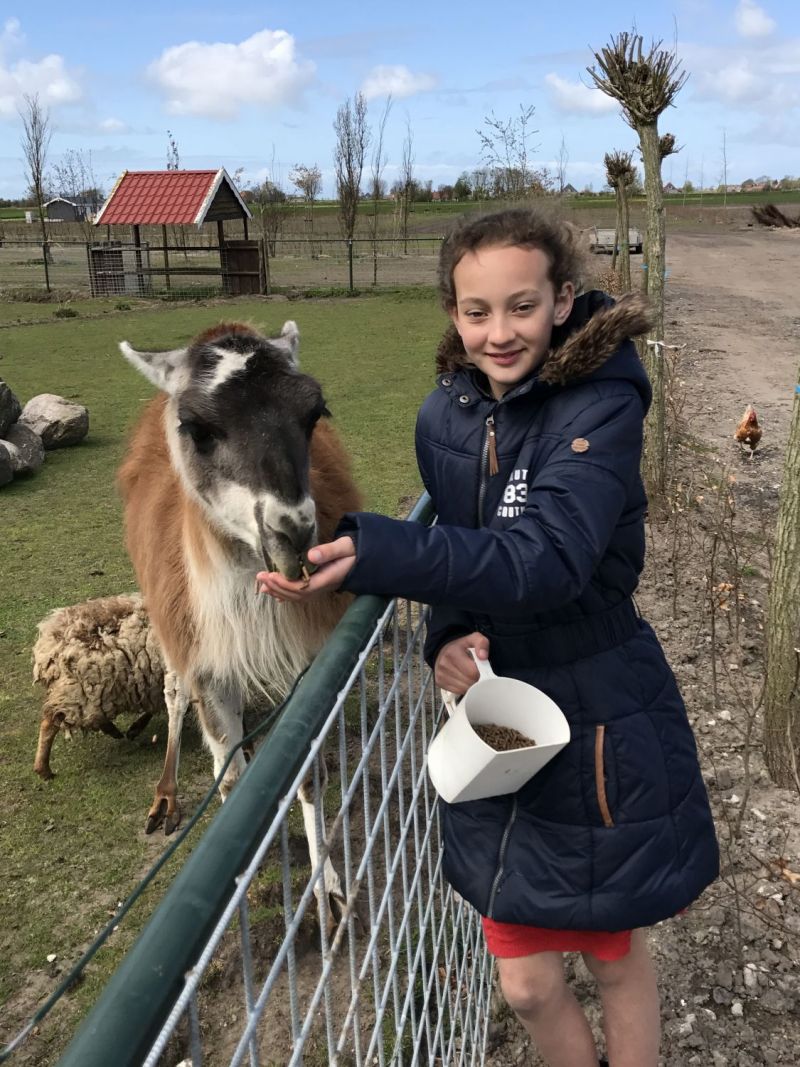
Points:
[[242, 964]]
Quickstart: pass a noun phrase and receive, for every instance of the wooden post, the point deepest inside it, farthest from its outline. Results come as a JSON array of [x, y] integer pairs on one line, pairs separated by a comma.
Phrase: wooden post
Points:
[[263, 268], [246, 235], [137, 244], [220, 233], [167, 282], [350, 260]]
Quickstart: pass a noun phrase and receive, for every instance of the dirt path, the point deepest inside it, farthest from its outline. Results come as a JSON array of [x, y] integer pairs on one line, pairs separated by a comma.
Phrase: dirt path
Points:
[[729, 970]]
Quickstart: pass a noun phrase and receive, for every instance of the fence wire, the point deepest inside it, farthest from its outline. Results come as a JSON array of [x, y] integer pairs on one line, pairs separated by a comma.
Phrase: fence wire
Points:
[[393, 974], [404, 978]]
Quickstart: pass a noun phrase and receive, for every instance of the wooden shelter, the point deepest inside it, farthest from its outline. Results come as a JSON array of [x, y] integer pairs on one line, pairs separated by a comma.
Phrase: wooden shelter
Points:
[[183, 198]]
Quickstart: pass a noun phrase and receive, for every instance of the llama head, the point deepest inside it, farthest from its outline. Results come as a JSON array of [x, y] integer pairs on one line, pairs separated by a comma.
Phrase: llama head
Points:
[[239, 419]]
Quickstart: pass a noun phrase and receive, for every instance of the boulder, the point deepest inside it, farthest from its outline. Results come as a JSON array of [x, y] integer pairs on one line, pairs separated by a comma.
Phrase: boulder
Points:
[[6, 470], [57, 421], [9, 408], [25, 448]]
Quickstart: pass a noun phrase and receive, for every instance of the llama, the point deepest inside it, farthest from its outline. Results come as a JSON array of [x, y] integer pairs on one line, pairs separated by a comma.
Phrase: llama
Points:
[[233, 466]]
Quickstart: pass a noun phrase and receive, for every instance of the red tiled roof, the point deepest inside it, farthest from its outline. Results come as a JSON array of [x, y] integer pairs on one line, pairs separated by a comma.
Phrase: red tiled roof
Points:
[[159, 197]]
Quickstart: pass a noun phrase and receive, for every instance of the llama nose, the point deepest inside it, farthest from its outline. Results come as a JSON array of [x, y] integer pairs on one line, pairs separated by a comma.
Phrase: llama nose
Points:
[[299, 530]]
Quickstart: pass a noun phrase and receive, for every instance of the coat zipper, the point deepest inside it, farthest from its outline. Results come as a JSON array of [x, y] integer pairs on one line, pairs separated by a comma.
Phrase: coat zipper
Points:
[[501, 858], [488, 439]]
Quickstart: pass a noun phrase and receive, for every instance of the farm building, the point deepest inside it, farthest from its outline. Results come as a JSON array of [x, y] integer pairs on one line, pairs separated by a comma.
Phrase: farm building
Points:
[[59, 209], [175, 198]]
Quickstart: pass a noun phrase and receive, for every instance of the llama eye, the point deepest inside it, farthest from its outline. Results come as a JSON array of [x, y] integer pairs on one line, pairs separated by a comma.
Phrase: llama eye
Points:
[[202, 435]]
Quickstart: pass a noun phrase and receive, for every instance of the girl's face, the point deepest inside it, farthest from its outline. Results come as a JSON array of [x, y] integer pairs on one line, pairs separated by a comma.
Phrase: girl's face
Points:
[[505, 311]]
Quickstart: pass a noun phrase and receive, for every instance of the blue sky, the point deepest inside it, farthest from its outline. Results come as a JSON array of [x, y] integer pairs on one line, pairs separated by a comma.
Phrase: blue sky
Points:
[[257, 85]]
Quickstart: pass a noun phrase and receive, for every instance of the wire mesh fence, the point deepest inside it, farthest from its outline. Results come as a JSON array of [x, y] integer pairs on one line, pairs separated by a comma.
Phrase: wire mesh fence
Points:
[[187, 269], [363, 955]]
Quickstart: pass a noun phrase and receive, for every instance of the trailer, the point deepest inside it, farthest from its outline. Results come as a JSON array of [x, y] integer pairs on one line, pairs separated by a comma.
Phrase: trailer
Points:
[[602, 240]]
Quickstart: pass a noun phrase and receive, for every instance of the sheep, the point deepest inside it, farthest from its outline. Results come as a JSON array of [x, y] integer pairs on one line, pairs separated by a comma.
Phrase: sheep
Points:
[[96, 660]]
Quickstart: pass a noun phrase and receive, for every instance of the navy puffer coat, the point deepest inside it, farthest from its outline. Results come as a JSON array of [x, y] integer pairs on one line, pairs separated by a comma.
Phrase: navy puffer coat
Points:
[[543, 558]]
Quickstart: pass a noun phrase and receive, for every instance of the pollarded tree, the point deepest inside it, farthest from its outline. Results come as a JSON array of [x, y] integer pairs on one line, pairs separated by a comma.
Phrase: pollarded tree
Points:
[[782, 693], [646, 85], [621, 175]]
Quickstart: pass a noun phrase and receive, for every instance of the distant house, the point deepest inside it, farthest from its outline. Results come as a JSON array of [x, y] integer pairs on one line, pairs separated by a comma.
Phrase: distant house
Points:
[[570, 190], [73, 208], [670, 189], [60, 209]]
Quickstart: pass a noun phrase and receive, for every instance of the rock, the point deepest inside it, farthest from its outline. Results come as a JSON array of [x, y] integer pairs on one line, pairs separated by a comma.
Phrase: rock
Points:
[[719, 1059], [6, 470], [25, 448], [736, 1008], [57, 421], [725, 976], [10, 408], [750, 975], [724, 779]]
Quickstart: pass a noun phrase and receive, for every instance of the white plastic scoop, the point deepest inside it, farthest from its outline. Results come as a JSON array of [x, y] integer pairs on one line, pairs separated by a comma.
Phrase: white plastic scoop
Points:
[[463, 767]]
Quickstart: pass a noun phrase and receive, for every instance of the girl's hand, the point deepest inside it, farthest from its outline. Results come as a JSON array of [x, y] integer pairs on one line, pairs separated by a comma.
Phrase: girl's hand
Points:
[[455, 668], [335, 561]]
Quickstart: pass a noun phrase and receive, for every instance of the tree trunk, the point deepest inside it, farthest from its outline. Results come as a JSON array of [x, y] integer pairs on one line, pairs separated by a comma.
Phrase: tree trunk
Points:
[[654, 465], [624, 247], [782, 694], [618, 230]]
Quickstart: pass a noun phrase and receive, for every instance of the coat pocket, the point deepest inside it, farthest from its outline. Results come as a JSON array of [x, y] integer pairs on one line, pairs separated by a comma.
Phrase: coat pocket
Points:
[[600, 775]]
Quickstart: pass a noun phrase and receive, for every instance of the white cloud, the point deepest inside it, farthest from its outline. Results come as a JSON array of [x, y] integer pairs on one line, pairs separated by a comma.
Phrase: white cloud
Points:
[[752, 20], [112, 125], [397, 80], [577, 97], [11, 35], [762, 80], [215, 80], [49, 77]]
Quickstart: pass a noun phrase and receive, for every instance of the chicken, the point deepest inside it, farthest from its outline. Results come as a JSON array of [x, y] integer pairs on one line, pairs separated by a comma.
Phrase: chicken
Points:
[[748, 432]]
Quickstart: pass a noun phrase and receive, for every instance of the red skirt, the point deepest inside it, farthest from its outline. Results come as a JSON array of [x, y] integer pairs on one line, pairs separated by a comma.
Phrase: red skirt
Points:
[[510, 940]]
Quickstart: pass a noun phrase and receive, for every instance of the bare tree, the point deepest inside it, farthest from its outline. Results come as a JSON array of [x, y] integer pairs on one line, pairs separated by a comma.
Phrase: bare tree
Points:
[[621, 174], [352, 141], [724, 168], [376, 186], [268, 199], [73, 178], [645, 85], [504, 146], [406, 182], [173, 155], [561, 166], [782, 693], [309, 181], [36, 134]]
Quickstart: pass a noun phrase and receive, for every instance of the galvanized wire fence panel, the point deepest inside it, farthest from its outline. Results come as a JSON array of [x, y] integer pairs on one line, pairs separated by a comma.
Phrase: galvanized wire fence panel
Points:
[[281, 974]]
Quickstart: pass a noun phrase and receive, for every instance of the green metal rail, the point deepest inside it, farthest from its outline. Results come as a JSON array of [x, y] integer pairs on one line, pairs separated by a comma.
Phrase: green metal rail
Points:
[[130, 1012]]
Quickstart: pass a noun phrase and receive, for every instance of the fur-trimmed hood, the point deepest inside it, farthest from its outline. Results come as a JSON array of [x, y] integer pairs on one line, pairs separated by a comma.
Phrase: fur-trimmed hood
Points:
[[594, 331]]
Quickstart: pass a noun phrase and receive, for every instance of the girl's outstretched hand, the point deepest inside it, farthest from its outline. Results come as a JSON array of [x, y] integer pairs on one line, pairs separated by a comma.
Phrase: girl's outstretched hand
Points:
[[455, 668], [335, 560]]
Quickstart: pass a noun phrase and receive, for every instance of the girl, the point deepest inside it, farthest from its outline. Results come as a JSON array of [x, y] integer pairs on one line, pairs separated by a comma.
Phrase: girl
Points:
[[530, 448]]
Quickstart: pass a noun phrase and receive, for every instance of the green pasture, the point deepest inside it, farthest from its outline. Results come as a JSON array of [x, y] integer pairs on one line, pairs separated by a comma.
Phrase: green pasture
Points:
[[74, 847]]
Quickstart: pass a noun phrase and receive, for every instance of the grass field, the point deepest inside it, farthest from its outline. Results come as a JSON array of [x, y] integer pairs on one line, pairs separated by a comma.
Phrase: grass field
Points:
[[73, 847]]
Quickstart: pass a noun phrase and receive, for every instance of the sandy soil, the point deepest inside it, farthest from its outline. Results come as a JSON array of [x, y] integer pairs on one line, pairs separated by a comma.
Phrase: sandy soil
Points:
[[728, 969]]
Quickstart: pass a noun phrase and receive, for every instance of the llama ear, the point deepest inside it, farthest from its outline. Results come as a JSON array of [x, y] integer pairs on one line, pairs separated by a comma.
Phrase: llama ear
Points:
[[289, 341], [161, 368]]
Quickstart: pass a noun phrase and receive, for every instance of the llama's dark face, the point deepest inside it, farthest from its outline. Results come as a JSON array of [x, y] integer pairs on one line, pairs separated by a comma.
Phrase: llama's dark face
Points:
[[239, 425]]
